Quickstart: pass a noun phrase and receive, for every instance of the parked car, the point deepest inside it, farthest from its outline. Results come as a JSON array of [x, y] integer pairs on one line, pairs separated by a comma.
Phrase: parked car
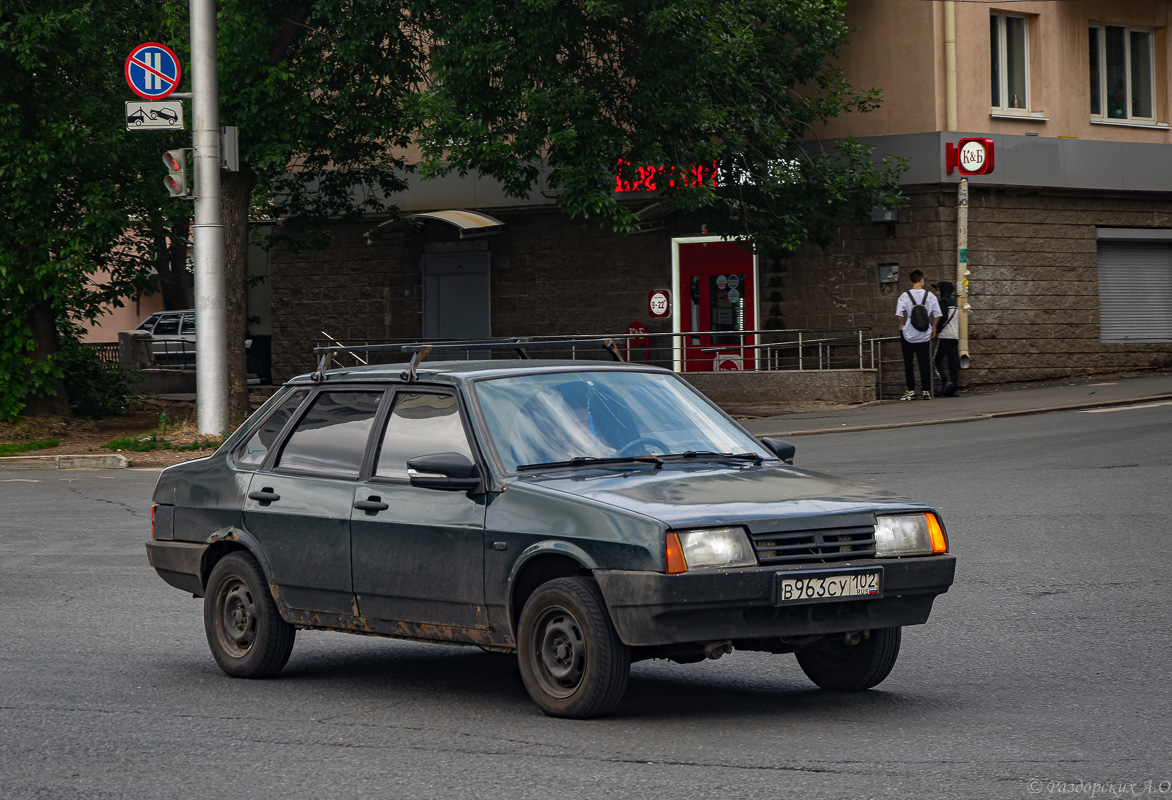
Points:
[[172, 336], [580, 514]]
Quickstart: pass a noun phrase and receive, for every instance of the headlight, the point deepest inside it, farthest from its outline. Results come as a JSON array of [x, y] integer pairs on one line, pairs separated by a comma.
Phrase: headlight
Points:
[[909, 535], [709, 548]]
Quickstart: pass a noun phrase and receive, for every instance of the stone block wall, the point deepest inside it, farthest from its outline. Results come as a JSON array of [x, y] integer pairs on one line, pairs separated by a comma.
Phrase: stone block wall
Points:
[[550, 275], [1033, 288]]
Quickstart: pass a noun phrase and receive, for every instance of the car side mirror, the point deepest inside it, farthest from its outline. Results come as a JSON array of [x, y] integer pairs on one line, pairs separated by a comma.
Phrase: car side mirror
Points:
[[452, 471], [782, 449]]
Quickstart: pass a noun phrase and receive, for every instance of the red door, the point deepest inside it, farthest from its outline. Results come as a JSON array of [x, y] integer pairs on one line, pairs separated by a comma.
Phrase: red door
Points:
[[717, 301]]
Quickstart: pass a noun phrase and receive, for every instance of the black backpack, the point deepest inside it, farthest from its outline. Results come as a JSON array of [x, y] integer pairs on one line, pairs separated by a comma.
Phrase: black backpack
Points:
[[919, 316]]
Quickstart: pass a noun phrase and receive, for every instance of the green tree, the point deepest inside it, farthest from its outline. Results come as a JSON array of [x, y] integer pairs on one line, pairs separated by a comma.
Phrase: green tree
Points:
[[319, 93], [74, 200], [722, 98]]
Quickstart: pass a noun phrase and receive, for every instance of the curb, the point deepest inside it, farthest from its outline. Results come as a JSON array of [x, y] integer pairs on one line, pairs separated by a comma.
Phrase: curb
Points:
[[975, 417], [64, 462]]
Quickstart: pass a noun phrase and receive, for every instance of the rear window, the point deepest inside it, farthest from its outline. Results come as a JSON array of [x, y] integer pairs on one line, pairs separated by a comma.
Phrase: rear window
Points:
[[331, 436]]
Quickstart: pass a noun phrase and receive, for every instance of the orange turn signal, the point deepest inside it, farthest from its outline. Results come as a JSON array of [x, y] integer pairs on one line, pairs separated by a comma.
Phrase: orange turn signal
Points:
[[674, 555], [939, 537], [153, 507]]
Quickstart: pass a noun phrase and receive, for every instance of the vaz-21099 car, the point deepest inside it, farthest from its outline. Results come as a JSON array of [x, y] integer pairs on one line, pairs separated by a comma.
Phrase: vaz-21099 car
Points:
[[582, 514]]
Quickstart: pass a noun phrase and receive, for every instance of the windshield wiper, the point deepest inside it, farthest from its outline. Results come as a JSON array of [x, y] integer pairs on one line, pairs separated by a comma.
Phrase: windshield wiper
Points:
[[592, 461], [710, 454]]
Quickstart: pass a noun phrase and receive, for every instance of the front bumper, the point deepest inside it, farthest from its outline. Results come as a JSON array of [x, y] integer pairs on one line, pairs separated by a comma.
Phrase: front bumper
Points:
[[651, 608]]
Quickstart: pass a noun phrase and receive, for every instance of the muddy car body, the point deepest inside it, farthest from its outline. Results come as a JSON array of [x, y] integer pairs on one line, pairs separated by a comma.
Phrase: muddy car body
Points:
[[581, 514]]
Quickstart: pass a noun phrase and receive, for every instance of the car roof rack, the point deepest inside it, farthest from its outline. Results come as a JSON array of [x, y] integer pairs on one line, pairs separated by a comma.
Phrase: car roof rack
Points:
[[420, 350]]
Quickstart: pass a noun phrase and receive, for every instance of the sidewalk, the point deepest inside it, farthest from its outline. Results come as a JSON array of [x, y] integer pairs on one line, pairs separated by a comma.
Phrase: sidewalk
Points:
[[982, 403]]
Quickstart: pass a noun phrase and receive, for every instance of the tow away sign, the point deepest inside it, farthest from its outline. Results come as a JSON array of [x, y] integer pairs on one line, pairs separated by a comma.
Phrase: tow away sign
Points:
[[141, 115]]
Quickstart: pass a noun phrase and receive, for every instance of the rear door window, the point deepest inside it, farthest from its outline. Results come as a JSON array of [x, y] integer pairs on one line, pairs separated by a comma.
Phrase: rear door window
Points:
[[332, 434], [168, 325], [189, 324]]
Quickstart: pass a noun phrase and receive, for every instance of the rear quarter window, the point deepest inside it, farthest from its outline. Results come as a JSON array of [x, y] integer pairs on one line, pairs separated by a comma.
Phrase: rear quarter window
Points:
[[252, 453]]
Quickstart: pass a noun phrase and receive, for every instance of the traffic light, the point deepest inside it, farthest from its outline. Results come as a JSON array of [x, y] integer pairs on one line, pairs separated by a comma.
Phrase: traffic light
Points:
[[176, 180]]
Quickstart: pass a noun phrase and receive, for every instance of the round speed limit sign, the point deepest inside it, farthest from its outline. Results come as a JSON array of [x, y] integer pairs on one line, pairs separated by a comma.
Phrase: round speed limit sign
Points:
[[659, 303]]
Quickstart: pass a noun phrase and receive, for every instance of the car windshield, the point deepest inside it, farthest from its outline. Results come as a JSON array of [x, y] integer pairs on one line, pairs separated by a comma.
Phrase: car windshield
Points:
[[559, 417]]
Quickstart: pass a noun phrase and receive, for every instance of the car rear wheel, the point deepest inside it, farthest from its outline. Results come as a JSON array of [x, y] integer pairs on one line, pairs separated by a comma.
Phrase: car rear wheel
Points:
[[572, 661], [840, 666], [245, 631]]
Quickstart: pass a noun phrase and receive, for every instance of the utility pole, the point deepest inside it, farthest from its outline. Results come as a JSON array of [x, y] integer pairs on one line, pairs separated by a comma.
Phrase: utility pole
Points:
[[211, 348]]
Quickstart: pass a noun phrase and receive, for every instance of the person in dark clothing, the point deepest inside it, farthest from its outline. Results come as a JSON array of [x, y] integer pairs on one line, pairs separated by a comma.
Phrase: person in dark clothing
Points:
[[947, 341]]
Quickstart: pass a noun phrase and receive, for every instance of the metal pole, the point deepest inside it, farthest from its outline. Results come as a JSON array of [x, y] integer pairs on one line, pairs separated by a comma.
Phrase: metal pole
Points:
[[211, 319], [962, 271]]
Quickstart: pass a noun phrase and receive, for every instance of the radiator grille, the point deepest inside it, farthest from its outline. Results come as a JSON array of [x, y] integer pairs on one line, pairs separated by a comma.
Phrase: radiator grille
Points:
[[823, 545]]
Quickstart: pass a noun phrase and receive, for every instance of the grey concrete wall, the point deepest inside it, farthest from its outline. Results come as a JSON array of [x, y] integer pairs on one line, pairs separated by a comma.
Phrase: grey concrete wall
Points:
[[764, 393]]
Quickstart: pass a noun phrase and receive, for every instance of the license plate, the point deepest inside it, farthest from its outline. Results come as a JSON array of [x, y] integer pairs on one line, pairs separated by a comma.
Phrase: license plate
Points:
[[828, 585]]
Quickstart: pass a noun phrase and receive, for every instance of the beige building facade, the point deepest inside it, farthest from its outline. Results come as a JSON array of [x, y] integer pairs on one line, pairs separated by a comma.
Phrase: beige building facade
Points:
[[1069, 256]]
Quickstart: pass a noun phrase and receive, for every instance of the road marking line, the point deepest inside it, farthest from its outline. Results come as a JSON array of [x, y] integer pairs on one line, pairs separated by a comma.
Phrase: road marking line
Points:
[[1125, 408]]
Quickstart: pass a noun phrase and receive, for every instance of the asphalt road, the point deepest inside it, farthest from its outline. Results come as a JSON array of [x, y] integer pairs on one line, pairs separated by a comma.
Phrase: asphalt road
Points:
[[1044, 672]]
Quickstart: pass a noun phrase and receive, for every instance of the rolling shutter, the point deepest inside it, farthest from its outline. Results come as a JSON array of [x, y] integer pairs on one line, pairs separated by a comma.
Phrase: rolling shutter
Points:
[[1135, 291]]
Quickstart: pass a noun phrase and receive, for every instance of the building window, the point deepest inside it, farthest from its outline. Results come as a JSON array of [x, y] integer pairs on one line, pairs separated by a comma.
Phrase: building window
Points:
[[1009, 57], [1122, 73]]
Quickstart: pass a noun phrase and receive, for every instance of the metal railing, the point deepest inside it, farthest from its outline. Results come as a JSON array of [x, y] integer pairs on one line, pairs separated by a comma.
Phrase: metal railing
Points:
[[799, 349], [106, 352]]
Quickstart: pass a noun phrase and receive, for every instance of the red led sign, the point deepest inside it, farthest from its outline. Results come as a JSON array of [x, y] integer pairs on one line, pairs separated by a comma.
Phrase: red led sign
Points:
[[652, 179]]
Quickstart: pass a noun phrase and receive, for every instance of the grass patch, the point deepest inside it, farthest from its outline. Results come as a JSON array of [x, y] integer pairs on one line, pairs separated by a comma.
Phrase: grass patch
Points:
[[161, 439], [14, 448]]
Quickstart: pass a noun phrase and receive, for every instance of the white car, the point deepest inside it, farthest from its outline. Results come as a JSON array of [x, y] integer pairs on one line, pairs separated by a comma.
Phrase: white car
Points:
[[172, 336]]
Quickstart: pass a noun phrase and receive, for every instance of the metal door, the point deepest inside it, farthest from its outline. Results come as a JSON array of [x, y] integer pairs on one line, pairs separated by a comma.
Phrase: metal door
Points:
[[456, 296], [717, 295]]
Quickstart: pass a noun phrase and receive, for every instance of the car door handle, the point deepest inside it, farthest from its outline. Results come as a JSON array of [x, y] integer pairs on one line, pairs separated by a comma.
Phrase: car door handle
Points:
[[373, 504], [265, 496]]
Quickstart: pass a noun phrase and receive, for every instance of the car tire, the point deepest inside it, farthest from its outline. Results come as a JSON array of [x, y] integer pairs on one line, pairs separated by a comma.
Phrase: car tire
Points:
[[245, 631], [572, 661], [839, 666]]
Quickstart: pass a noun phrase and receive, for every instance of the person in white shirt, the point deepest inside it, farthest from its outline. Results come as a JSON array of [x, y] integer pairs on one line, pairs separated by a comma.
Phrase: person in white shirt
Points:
[[947, 341], [917, 341]]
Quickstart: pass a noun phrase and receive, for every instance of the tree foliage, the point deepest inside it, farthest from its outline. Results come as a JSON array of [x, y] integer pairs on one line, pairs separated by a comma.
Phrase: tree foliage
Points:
[[73, 201], [716, 102]]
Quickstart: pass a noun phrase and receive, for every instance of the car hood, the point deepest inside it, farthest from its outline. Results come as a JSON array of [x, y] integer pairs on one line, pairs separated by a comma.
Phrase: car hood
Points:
[[762, 497]]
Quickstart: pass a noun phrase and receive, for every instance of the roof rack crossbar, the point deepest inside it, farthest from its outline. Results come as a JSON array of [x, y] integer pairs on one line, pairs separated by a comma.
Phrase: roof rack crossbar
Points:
[[420, 350]]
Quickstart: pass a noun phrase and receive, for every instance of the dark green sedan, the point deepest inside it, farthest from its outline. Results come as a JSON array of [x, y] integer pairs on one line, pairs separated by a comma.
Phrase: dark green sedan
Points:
[[579, 513]]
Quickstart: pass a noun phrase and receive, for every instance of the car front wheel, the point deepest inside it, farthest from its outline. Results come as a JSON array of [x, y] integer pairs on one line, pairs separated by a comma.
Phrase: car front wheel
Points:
[[245, 631], [841, 666], [572, 661]]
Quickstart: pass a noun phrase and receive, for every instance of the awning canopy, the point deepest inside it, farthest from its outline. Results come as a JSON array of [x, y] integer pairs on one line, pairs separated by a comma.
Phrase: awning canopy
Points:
[[470, 223]]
